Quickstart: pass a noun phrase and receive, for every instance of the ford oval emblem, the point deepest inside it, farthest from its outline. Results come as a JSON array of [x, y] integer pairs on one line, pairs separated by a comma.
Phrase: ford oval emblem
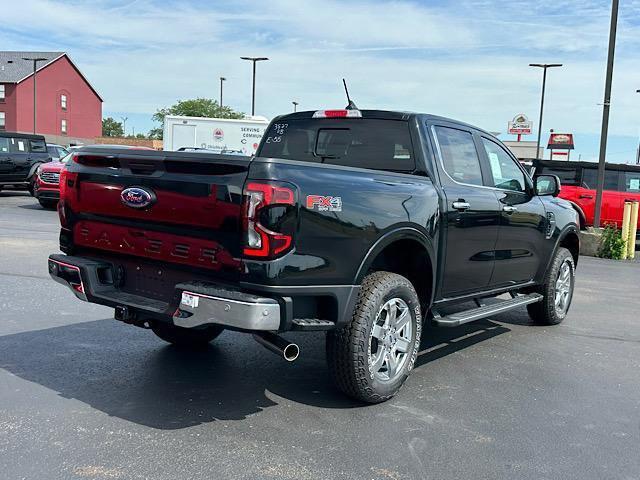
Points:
[[137, 197]]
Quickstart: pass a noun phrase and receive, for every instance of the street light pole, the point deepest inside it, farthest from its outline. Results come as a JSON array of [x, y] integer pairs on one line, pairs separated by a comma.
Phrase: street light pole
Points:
[[124, 125], [35, 61], [605, 111], [254, 60], [295, 106], [544, 67], [222, 79]]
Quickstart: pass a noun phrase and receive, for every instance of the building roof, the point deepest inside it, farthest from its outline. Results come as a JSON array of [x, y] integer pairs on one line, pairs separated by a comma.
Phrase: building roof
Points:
[[13, 69]]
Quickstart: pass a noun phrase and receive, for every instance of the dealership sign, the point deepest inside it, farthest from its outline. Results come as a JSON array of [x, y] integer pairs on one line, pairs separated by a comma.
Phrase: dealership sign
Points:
[[560, 141], [520, 125]]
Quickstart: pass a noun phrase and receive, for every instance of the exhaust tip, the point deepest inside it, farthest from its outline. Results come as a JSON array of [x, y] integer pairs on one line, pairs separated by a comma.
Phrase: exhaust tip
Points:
[[291, 352], [278, 345]]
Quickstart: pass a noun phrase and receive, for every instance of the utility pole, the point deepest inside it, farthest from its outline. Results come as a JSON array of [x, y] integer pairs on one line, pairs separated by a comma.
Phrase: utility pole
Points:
[[222, 79], [605, 111], [295, 106], [124, 125], [35, 61], [253, 90], [544, 67]]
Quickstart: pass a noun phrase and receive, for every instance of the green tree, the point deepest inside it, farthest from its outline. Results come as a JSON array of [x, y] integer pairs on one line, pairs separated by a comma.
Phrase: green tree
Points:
[[111, 128], [155, 133], [197, 107]]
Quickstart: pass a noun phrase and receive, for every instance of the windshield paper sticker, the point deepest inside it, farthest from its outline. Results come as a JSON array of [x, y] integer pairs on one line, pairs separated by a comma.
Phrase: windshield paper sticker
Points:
[[324, 203]]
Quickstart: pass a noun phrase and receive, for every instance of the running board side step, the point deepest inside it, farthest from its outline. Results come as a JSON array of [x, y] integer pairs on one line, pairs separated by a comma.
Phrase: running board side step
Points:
[[485, 311]]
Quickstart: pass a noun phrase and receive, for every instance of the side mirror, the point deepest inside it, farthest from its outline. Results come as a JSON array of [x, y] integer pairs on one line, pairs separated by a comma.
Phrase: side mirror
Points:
[[547, 185]]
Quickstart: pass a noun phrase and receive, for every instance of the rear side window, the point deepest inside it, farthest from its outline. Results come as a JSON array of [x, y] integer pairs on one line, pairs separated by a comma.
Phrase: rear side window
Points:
[[632, 182], [363, 143], [459, 155], [18, 145], [4, 144], [590, 179], [38, 146]]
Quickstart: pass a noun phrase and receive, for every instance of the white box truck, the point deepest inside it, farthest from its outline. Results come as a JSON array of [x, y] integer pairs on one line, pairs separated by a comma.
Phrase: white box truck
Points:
[[220, 135]]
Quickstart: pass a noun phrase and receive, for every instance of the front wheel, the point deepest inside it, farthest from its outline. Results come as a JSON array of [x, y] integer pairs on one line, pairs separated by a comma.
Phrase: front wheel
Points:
[[371, 357], [186, 337], [557, 290]]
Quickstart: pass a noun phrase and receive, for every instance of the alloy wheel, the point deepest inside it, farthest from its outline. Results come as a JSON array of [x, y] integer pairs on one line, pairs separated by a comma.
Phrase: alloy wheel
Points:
[[564, 288], [390, 340]]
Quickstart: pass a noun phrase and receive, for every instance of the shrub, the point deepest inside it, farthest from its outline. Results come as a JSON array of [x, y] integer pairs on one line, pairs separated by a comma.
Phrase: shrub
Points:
[[612, 244]]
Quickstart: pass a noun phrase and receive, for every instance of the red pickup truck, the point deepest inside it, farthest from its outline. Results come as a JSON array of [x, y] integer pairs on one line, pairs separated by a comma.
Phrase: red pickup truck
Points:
[[579, 181]]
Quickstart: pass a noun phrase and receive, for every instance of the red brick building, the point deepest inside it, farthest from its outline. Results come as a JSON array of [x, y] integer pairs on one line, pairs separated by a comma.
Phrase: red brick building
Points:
[[68, 108]]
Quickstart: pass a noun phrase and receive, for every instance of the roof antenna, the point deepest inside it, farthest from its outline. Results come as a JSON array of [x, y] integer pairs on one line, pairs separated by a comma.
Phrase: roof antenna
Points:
[[351, 105]]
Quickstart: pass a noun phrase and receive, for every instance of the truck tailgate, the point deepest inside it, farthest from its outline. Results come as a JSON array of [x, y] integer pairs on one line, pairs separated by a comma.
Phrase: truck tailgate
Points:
[[181, 208]]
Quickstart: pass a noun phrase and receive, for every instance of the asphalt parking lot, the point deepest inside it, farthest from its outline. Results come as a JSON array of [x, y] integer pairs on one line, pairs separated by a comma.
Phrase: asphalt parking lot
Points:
[[83, 396]]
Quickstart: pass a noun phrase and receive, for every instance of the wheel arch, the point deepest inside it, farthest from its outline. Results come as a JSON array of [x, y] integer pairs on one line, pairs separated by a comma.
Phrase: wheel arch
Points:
[[582, 216], [408, 252], [568, 238], [33, 169]]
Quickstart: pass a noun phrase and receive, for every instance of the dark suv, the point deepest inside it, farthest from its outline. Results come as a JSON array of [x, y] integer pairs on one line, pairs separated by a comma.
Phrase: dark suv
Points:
[[20, 156]]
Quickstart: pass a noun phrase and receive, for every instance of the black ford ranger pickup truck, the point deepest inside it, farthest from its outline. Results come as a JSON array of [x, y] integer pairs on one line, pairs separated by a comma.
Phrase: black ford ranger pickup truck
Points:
[[362, 223]]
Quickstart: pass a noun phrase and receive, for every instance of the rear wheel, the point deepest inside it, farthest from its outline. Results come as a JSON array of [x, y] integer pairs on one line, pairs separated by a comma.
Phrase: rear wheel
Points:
[[48, 204], [371, 357], [186, 337], [557, 290]]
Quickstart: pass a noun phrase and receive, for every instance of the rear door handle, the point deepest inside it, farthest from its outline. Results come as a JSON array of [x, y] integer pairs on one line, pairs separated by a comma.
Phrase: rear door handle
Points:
[[461, 205], [586, 196], [509, 209]]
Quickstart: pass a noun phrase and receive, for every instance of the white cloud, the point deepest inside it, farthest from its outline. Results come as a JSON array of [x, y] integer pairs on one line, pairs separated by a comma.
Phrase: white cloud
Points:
[[467, 60]]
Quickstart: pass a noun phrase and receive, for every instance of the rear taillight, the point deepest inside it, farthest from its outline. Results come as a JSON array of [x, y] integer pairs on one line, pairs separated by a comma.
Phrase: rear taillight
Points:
[[262, 241], [68, 194]]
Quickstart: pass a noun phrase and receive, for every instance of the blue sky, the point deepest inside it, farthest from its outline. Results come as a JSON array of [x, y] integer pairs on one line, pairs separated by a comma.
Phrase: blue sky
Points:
[[463, 59]]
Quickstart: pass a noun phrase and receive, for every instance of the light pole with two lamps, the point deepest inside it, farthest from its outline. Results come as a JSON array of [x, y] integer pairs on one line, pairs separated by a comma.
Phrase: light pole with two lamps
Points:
[[544, 67], [254, 60]]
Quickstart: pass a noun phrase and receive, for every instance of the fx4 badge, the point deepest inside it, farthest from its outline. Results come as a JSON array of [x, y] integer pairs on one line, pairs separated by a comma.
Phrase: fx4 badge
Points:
[[324, 203]]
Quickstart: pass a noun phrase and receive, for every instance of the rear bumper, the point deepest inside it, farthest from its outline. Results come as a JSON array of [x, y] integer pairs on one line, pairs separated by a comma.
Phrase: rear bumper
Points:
[[193, 304], [197, 305], [244, 312]]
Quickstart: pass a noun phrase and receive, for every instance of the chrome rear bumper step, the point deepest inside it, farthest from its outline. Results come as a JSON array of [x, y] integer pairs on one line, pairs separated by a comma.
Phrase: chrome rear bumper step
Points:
[[485, 311]]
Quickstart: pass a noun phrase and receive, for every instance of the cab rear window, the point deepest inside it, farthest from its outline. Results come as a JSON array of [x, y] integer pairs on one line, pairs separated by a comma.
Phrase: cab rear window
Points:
[[568, 176], [364, 143]]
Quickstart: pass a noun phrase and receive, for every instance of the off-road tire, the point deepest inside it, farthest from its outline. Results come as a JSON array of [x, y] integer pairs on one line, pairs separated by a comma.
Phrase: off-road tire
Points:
[[192, 338], [48, 204], [347, 348], [544, 312]]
